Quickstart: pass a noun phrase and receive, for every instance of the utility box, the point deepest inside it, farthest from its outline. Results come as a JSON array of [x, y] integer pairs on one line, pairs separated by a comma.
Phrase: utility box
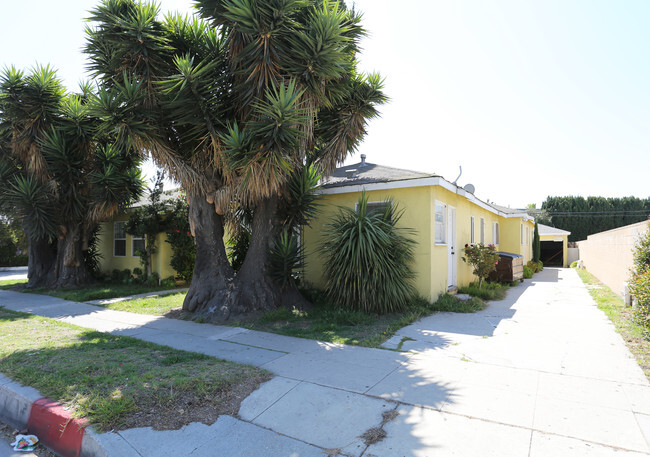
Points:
[[509, 269]]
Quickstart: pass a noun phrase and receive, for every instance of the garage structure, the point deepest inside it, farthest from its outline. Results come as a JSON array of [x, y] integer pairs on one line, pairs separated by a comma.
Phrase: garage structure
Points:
[[554, 246]]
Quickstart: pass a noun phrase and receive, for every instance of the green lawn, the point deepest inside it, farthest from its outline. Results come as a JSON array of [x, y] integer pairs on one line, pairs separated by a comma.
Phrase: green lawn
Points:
[[7, 284], [98, 291], [158, 306], [120, 382], [621, 316]]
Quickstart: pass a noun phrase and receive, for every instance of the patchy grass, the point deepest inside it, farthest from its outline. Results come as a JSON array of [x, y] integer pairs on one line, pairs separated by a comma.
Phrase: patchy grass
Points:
[[322, 322], [622, 317], [120, 382], [97, 291], [451, 304], [9, 284], [337, 325], [158, 305], [489, 291]]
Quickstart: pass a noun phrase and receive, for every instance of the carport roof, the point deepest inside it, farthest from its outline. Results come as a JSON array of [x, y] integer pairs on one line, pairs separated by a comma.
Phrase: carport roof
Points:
[[548, 230]]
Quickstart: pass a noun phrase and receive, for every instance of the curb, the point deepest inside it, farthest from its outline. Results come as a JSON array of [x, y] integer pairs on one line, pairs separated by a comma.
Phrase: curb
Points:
[[25, 407]]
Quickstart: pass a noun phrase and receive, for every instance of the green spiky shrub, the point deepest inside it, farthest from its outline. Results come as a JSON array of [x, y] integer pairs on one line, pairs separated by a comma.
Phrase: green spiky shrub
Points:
[[368, 259], [284, 259]]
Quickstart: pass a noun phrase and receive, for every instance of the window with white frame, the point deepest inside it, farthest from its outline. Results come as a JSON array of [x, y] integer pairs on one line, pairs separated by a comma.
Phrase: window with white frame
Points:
[[482, 231], [471, 230], [137, 244], [441, 223], [119, 239], [495, 233]]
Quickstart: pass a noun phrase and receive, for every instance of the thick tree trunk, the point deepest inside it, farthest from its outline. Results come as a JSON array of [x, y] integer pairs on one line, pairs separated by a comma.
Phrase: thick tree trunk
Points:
[[41, 260], [70, 269], [211, 289], [255, 289]]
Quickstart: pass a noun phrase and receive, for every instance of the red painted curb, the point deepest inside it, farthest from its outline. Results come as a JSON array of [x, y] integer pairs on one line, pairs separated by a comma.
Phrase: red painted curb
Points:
[[56, 428]]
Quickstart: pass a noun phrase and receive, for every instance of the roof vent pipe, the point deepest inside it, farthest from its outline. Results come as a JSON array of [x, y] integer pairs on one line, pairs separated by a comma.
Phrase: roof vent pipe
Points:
[[363, 161]]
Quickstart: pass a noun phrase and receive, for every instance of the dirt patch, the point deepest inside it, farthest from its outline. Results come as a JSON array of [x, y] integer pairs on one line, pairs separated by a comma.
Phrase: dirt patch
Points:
[[194, 408], [7, 434]]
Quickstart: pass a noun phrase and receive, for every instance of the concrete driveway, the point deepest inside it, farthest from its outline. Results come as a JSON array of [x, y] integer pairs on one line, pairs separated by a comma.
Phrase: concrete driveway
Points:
[[542, 373]]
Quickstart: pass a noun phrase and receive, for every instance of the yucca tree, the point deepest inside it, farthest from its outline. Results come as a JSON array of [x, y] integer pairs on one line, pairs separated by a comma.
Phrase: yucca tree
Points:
[[60, 174], [233, 106]]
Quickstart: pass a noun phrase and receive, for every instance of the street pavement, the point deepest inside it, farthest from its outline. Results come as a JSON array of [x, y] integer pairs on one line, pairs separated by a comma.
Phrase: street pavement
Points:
[[541, 373], [7, 273]]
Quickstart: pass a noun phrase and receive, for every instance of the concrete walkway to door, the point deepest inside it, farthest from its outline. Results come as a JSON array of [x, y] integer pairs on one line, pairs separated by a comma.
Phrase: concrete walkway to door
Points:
[[541, 373]]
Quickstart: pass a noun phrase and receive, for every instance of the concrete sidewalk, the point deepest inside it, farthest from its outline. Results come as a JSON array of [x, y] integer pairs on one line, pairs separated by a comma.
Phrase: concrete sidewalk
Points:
[[542, 373]]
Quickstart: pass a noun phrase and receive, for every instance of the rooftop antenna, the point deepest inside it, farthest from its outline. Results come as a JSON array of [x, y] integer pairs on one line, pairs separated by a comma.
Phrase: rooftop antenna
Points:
[[461, 172]]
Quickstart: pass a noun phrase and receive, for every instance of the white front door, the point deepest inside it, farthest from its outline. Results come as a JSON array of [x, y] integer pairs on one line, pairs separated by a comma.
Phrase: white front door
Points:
[[451, 243]]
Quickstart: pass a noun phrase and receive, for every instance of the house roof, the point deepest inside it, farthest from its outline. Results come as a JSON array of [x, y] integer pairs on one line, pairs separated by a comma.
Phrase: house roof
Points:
[[548, 230], [507, 209], [355, 177], [367, 173]]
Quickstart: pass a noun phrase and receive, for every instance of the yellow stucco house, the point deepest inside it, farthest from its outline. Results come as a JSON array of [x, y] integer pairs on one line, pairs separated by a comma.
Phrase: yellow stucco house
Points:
[[118, 248], [444, 216]]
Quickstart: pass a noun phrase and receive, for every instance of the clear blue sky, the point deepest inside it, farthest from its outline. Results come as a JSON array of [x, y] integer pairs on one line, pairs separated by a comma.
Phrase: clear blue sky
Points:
[[533, 98]]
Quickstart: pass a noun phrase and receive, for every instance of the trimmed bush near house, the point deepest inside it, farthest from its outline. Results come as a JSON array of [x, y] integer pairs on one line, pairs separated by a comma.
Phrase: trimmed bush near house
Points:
[[535, 266], [528, 272]]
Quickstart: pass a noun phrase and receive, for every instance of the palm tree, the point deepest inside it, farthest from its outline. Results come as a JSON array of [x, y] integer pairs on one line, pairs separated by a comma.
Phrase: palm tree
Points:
[[233, 106], [61, 174]]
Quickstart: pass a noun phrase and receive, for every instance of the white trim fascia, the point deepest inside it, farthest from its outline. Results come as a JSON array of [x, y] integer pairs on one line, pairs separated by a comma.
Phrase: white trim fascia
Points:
[[420, 182]]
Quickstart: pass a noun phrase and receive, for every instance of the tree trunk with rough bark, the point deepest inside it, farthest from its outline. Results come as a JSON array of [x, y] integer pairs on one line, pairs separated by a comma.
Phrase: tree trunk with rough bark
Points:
[[70, 269], [255, 289], [41, 261], [210, 294]]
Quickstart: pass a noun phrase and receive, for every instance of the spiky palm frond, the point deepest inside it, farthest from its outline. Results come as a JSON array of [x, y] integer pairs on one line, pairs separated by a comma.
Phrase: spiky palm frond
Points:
[[31, 106], [300, 201], [127, 35], [33, 205], [342, 127]]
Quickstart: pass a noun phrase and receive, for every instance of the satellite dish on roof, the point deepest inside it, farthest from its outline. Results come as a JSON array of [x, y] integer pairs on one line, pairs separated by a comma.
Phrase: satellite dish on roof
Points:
[[470, 188]]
